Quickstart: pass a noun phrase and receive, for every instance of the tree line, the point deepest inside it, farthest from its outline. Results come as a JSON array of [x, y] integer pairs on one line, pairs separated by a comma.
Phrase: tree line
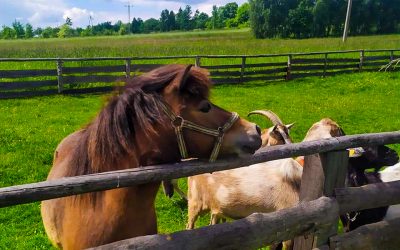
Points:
[[228, 16], [267, 18], [321, 18]]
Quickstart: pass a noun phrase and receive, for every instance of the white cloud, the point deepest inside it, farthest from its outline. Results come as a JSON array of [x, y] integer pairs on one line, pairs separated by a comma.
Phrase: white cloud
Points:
[[78, 16], [42, 13]]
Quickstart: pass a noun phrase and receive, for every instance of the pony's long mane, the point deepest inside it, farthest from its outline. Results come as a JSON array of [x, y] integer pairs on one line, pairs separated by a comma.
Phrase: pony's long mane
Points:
[[112, 135]]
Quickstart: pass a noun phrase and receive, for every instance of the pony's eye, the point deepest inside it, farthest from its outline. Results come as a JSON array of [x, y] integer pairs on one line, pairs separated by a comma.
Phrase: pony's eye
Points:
[[205, 106]]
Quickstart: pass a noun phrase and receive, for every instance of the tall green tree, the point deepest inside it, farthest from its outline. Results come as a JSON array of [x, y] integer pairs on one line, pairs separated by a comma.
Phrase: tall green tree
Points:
[[227, 12], [8, 33], [200, 20], [19, 29], [137, 26], [300, 20], [183, 18], [215, 22], [172, 20], [151, 25], [321, 18], [28, 31], [164, 20], [243, 14]]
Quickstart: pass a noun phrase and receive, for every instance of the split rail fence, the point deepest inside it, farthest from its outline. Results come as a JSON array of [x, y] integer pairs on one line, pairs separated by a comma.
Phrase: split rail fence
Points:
[[313, 223], [21, 77]]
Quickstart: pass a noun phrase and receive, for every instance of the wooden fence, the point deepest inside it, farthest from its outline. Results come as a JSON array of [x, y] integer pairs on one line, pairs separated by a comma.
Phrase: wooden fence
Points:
[[322, 194], [89, 75]]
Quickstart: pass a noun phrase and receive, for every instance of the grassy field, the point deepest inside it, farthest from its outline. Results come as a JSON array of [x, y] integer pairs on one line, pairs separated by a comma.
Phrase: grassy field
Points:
[[236, 42], [30, 129]]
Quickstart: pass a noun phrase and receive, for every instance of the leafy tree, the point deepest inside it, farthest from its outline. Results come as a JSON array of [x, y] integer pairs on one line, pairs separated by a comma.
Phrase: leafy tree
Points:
[[123, 29], [65, 31], [300, 20], [28, 31], [243, 14], [151, 25], [227, 12], [200, 20], [215, 19], [8, 33], [19, 29], [183, 18], [321, 13], [68, 21], [165, 21], [231, 23], [87, 32], [137, 26], [38, 32], [172, 20], [47, 32], [389, 16]]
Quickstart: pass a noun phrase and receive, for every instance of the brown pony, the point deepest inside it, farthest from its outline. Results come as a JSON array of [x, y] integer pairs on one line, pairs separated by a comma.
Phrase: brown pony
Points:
[[133, 130]]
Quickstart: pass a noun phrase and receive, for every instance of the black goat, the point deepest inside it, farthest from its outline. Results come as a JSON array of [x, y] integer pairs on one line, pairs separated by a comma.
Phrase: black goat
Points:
[[373, 158]]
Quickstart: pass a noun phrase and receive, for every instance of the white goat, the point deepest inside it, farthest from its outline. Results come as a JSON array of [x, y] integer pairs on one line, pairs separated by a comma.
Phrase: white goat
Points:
[[389, 174]]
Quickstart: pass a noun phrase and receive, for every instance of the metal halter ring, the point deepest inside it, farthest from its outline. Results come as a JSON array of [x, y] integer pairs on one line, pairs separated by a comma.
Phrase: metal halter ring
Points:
[[177, 122]]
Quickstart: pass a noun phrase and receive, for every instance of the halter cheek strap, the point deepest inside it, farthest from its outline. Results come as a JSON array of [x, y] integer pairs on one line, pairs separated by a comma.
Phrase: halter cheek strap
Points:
[[179, 123]]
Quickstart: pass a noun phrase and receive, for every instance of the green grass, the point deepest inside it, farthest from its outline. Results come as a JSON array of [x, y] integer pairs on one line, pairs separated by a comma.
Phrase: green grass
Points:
[[185, 43], [30, 129]]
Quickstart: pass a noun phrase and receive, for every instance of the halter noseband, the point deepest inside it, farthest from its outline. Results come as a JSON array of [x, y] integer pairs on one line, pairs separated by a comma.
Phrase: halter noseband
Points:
[[179, 123]]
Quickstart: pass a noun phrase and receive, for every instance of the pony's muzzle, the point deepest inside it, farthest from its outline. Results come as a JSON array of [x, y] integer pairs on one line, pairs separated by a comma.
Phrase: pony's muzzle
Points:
[[250, 144]]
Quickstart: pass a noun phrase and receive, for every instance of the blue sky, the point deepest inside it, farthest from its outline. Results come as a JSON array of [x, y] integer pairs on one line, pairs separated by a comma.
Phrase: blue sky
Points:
[[43, 13]]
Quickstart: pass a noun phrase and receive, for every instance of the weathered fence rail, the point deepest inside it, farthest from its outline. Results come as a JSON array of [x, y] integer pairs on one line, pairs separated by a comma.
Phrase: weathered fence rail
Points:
[[316, 216], [258, 230], [224, 69], [116, 179]]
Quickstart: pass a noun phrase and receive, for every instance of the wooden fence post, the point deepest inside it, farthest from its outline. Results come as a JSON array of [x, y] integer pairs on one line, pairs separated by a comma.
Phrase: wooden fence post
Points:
[[59, 76], [289, 65], [321, 174], [362, 55], [242, 69], [128, 68], [197, 63], [325, 64], [391, 55]]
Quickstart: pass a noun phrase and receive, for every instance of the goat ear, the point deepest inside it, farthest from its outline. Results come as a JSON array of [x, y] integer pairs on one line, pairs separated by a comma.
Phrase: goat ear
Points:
[[289, 126], [182, 78]]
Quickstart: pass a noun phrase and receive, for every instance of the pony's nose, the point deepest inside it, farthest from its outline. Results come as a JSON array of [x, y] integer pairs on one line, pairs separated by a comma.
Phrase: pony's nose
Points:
[[252, 144], [258, 130]]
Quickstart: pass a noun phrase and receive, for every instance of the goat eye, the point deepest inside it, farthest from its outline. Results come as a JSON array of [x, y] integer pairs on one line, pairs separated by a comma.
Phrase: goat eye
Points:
[[205, 107]]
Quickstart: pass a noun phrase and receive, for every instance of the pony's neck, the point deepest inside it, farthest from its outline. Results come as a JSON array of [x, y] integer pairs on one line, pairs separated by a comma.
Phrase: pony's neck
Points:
[[164, 151]]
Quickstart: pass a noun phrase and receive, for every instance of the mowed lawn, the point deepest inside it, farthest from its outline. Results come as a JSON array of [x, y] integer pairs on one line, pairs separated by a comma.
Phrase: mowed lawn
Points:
[[30, 129]]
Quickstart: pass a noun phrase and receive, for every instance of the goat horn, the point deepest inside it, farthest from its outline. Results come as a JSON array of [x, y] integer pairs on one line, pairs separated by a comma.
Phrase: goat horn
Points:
[[269, 114]]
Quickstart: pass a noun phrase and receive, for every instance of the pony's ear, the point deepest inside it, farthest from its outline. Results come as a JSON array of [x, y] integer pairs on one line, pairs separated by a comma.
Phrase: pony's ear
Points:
[[182, 78]]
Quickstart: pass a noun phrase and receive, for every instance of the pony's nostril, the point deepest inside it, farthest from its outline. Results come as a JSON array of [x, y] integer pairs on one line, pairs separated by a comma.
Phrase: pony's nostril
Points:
[[258, 130]]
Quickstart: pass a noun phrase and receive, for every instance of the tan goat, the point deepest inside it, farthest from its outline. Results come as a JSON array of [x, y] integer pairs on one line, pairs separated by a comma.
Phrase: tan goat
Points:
[[263, 187], [240, 192]]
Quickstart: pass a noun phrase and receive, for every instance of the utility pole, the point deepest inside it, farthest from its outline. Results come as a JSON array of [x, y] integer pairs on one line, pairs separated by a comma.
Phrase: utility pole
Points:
[[347, 23], [129, 5], [90, 21]]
